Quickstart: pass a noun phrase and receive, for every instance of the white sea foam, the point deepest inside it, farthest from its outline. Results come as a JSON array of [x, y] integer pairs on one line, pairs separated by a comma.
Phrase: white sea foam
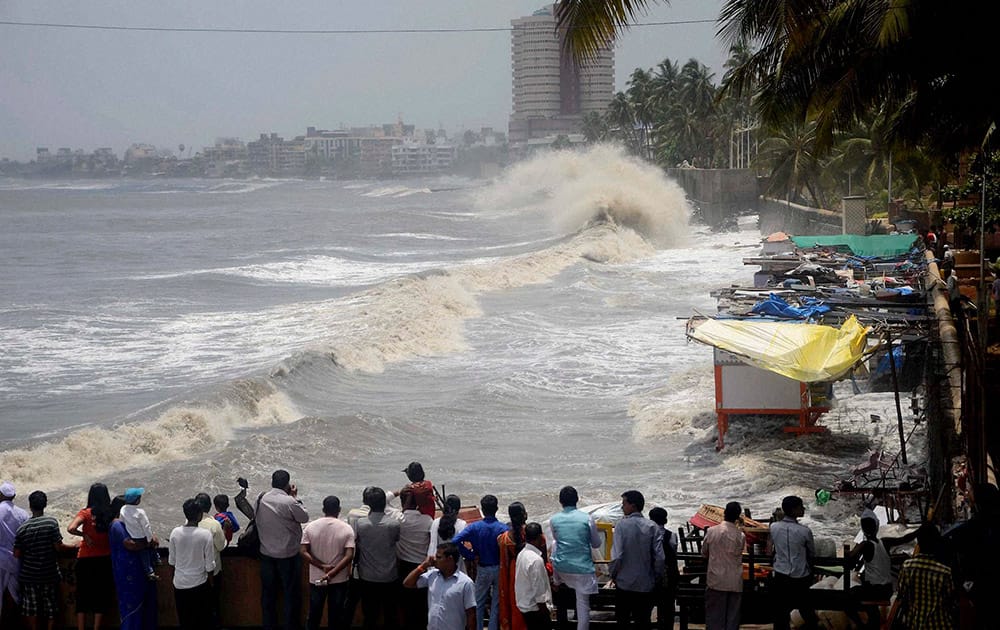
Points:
[[601, 183], [420, 236], [632, 202], [177, 433], [319, 270]]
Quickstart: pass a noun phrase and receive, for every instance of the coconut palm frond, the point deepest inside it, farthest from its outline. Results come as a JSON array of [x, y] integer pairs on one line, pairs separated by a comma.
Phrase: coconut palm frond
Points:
[[592, 25]]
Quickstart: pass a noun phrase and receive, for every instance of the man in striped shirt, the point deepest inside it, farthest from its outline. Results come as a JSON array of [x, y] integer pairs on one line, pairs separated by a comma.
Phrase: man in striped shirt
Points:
[[37, 544]]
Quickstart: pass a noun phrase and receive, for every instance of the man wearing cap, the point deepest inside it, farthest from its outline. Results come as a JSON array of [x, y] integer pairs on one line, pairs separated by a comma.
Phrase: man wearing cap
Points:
[[279, 522], [422, 489], [11, 518]]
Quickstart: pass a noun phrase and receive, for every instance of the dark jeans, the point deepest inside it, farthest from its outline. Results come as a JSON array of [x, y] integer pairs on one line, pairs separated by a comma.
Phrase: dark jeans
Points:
[[216, 600], [664, 596], [379, 599], [193, 607], [537, 620], [412, 600], [789, 594], [336, 616], [286, 574], [633, 607]]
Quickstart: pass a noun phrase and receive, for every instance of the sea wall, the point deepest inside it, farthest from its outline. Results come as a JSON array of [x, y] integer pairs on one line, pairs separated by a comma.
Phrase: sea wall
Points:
[[782, 216], [718, 193]]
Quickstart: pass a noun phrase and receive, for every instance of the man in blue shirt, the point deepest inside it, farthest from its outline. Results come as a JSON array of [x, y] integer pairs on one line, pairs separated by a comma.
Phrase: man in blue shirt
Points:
[[482, 535], [636, 562], [575, 534]]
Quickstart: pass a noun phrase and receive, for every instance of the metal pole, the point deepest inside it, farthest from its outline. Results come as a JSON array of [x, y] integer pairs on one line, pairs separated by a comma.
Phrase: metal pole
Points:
[[895, 391], [984, 300], [888, 204]]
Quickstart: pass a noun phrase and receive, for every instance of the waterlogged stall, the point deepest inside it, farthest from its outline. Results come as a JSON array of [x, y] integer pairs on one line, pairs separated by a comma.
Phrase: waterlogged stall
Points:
[[774, 368]]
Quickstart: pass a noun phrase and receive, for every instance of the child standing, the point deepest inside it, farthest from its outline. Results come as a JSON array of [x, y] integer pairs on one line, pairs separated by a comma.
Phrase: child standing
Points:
[[138, 528], [226, 518]]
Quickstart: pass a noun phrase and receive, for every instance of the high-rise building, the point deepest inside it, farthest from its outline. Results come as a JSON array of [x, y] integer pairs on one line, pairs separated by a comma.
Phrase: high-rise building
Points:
[[551, 91]]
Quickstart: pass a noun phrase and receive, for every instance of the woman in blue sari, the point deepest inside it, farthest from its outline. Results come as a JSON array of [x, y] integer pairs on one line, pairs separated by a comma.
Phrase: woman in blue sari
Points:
[[136, 592]]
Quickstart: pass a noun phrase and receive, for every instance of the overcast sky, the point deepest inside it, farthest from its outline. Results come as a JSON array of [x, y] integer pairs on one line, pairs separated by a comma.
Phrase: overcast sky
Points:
[[91, 88]]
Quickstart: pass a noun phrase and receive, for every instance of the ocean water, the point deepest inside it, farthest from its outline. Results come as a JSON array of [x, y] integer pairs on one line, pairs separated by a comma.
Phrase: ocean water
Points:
[[513, 335]]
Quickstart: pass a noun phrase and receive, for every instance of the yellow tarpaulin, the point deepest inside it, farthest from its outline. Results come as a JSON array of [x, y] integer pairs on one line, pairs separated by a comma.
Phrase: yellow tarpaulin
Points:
[[804, 352]]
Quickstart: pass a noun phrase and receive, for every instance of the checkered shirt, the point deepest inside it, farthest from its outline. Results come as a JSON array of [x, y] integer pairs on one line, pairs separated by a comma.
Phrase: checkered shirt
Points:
[[927, 593]]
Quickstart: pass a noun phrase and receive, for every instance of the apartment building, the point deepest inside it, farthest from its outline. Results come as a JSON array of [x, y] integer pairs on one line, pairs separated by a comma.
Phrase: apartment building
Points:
[[551, 91]]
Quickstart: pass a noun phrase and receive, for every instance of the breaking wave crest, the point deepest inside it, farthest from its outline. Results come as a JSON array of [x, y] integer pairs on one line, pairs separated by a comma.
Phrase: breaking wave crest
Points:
[[423, 315], [578, 188], [177, 433]]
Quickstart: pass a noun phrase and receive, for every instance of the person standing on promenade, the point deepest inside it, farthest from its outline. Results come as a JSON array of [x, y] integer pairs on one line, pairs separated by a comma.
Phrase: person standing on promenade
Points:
[[94, 581], [636, 562], [139, 529], [414, 536], [792, 547], [375, 539], [444, 528], [926, 590], [531, 581], [451, 594], [219, 543], [37, 544], [11, 518], [135, 593], [226, 518], [422, 489], [976, 544], [192, 554], [511, 543], [575, 534], [482, 535], [723, 546], [279, 519], [328, 547], [666, 588]]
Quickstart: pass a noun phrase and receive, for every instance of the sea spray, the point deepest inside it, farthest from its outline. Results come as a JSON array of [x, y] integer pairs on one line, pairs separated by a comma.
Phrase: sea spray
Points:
[[602, 183], [177, 433]]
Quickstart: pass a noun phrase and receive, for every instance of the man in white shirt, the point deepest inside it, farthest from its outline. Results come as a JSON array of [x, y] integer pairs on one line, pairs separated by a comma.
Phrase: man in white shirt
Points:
[[451, 594], [531, 581], [328, 547], [723, 546], [192, 555], [279, 519], [214, 528], [792, 547]]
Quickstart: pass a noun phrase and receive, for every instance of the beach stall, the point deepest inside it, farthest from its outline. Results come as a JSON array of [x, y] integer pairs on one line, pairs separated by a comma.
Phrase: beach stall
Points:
[[777, 368]]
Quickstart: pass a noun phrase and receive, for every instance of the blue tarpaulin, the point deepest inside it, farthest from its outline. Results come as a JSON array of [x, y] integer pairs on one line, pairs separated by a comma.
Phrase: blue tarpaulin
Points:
[[778, 307]]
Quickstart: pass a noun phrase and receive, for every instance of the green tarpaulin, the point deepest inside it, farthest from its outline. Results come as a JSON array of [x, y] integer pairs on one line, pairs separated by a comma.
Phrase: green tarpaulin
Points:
[[875, 245]]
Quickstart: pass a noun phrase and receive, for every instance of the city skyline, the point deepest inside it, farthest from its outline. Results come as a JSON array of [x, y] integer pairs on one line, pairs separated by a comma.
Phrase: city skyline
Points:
[[90, 88]]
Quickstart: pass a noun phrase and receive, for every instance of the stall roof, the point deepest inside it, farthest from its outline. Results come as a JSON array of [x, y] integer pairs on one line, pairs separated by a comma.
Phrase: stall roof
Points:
[[873, 245], [803, 352]]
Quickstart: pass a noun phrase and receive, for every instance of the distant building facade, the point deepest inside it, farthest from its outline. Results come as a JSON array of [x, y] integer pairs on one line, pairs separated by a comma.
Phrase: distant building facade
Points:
[[420, 157], [551, 92], [272, 154]]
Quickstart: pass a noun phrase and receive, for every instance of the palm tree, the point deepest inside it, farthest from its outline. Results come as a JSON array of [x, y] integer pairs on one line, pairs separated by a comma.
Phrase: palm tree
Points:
[[790, 155], [835, 60], [594, 127], [621, 118]]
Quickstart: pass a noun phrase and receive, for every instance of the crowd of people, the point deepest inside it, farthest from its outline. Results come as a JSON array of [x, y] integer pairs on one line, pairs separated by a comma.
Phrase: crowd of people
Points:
[[408, 569]]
